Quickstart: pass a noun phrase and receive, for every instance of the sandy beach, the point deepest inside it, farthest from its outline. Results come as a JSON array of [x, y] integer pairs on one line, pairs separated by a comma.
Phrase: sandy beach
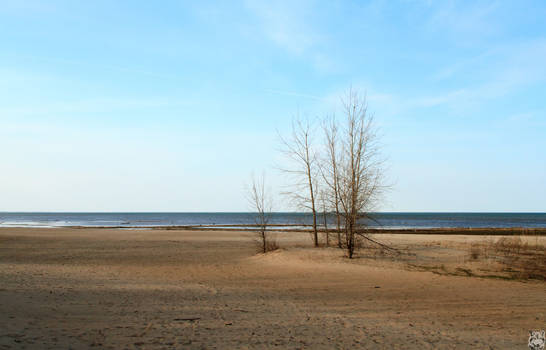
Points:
[[163, 289]]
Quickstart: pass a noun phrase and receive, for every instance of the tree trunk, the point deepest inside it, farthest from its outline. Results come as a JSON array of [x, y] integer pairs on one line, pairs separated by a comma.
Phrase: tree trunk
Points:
[[326, 228], [311, 192]]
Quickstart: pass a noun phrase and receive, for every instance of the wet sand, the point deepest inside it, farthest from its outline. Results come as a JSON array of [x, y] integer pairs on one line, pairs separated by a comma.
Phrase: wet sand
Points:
[[159, 289]]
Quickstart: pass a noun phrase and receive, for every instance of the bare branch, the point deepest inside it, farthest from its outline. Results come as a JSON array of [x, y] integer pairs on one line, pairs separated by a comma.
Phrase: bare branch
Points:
[[260, 201], [299, 150]]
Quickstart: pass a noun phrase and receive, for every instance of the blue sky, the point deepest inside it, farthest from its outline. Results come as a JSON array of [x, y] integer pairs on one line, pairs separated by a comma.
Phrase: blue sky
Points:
[[171, 105]]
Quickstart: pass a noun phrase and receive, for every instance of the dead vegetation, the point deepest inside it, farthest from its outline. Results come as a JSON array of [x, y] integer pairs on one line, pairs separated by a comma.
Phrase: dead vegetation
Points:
[[270, 244], [518, 258], [260, 201], [504, 258]]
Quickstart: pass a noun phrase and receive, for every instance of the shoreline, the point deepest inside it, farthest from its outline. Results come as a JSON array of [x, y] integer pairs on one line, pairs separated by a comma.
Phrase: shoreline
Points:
[[480, 231]]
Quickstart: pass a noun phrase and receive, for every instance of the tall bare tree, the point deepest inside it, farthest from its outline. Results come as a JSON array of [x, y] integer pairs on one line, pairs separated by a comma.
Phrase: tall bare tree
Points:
[[299, 149], [360, 170], [260, 201], [329, 170]]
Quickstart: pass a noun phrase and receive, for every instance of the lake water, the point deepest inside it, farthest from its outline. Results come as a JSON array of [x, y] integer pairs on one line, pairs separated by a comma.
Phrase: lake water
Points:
[[382, 220]]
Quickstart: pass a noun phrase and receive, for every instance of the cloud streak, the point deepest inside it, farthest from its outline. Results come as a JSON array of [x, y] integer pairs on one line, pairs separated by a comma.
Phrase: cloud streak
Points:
[[285, 24]]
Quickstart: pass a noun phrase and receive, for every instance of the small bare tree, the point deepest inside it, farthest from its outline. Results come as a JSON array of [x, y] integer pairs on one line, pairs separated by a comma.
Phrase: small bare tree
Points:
[[360, 170], [298, 148], [329, 170], [261, 202]]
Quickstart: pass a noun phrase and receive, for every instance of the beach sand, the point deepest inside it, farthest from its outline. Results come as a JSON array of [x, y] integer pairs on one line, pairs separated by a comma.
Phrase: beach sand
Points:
[[164, 289]]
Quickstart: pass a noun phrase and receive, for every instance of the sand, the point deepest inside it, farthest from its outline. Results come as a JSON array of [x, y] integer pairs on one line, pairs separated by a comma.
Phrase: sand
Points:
[[158, 289]]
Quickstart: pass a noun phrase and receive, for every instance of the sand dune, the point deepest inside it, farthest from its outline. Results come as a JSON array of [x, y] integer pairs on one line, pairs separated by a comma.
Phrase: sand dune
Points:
[[153, 289]]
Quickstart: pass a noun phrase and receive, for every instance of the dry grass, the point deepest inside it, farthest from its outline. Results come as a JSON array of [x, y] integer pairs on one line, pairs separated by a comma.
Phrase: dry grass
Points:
[[515, 257], [523, 260], [505, 257], [475, 251], [271, 244]]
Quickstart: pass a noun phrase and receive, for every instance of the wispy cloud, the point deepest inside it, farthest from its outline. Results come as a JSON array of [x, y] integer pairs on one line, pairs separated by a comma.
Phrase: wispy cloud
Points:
[[87, 64], [509, 69], [292, 93], [285, 23], [292, 27], [468, 23], [533, 119], [94, 105]]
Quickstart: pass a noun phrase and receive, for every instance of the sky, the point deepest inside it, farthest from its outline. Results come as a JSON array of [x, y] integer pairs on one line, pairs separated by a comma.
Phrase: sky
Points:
[[172, 105]]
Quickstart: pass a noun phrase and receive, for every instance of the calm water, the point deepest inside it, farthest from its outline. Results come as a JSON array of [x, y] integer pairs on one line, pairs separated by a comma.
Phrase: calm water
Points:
[[385, 220]]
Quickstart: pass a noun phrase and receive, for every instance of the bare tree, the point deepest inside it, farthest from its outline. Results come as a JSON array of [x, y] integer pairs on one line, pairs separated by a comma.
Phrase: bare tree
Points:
[[329, 170], [261, 202], [351, 169], [360, 170], [323, 201], [298, 148]]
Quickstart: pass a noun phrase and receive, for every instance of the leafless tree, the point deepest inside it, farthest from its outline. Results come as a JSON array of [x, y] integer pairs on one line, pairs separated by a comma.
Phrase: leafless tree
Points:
[[323, 202], [329, 170], [261, 202], [359, 170], [299, 150]]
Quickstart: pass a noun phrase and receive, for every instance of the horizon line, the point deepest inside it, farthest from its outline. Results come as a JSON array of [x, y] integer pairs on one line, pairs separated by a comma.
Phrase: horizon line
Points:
[[274, 212]]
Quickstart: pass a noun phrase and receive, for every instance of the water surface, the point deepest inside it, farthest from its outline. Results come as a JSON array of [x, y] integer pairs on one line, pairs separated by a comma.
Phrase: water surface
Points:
[[381, 220]]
